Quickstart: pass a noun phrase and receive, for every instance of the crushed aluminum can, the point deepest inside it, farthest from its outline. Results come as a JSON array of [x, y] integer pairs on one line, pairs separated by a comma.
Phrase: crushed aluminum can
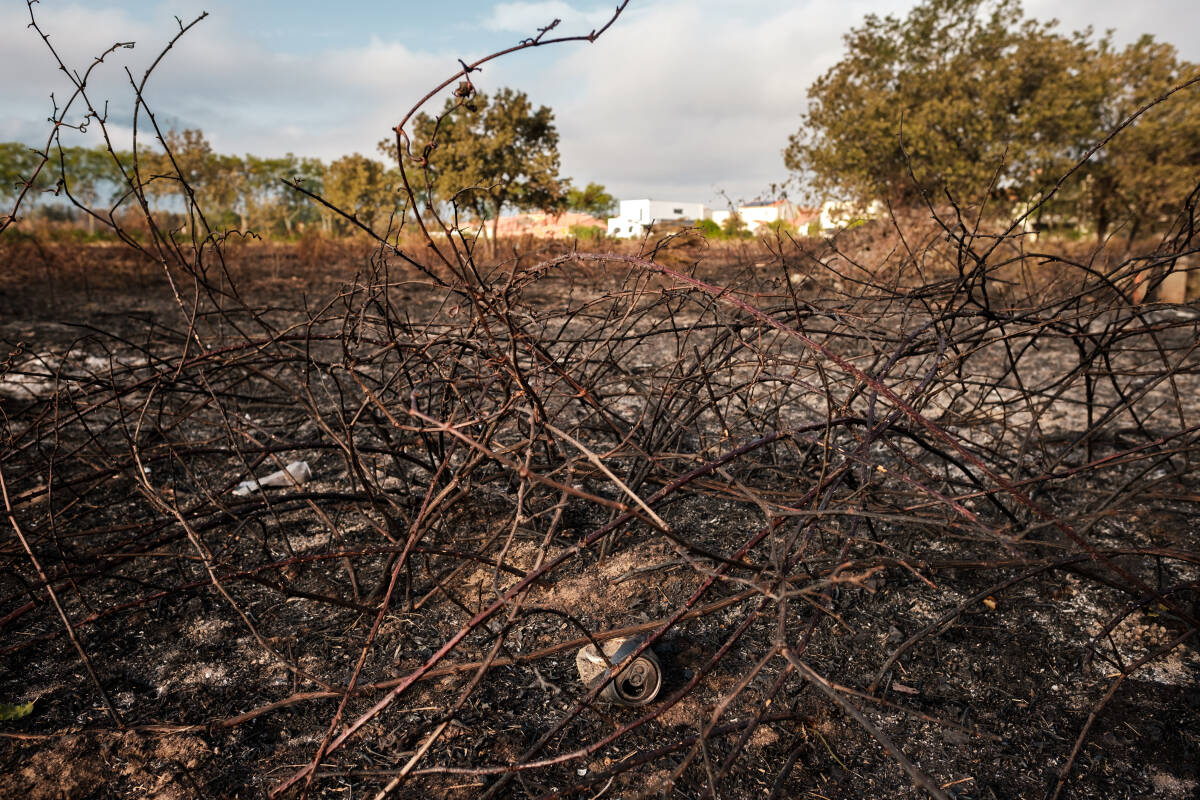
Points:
[[635, 685]]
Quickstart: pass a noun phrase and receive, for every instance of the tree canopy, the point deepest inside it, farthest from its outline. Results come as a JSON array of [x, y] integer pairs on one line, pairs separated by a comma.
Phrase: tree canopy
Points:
[[490, 153], [592, 199], [970, 99], [361, 187]]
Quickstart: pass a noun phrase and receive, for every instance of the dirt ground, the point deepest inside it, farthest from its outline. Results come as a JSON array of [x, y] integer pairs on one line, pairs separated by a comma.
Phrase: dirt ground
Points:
[[1018, 632]]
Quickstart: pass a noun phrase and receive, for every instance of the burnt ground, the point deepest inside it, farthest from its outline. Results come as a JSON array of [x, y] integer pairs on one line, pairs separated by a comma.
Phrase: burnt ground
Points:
[[975, 634]]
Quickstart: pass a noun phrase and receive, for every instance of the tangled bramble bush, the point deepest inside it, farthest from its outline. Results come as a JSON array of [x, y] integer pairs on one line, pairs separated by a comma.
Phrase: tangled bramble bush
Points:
[[910, 507]]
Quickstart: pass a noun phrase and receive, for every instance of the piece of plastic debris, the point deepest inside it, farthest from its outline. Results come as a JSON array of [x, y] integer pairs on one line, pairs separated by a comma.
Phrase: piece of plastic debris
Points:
[[296, 473], [635, 685]]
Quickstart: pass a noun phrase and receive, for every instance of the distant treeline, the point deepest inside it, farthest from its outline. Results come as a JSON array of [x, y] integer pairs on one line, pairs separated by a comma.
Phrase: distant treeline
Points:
[[241, 192], [244, 193]]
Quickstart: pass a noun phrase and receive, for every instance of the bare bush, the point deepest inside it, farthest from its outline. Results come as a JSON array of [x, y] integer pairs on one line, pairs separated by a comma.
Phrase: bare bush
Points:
[[875, 500]]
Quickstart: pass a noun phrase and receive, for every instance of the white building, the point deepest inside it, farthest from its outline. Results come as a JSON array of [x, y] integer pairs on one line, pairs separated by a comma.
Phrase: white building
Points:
[[836, 215], [636, 216], [755, 215]]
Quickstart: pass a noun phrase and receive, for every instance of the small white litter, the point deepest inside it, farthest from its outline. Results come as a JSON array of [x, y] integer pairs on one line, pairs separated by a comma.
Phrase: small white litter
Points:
[[296, 473]]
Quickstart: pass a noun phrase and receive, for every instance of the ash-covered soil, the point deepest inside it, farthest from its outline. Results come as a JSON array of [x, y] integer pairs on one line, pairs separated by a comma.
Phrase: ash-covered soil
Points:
[[972, 632]]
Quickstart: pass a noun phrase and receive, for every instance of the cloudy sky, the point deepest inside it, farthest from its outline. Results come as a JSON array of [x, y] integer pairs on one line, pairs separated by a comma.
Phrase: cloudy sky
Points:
[[681, 99]]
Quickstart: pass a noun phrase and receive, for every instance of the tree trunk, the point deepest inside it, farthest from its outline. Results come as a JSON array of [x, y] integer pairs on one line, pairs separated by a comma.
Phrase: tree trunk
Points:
[[483, 228], [1135, 228], [1102, 221], [496, 227]]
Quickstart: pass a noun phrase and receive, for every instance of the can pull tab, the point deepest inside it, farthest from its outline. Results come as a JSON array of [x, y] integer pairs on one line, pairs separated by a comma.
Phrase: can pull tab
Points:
[[637, 684]]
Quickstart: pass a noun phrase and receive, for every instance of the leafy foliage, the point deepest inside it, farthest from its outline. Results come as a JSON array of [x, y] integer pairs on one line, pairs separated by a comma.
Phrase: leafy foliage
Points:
[[17, 164], [360, 186], [592, 199], [10, 712], [734, 227], [1143, 177], [587, 233], [779, 226], [488, 154], [968, 99]]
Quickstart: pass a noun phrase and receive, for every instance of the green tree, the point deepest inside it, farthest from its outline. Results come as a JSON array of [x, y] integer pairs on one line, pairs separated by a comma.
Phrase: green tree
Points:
[[194, 170], [17, 164], [186, 158], [734, 227], [489, 154], [992, 104], [1142, 178], [361, 187], [261, 189], [226, 184], [984, 98], [292, 209], [86, 173], [592, 199]]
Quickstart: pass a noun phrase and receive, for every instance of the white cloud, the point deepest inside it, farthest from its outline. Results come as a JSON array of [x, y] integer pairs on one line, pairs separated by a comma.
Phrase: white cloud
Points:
[[245, 97], [1174, 21], [687, 97]]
